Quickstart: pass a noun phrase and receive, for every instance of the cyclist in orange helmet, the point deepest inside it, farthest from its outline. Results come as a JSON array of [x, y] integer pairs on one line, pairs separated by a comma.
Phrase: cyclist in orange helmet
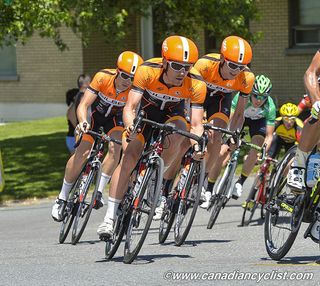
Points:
[[224, 73], [160, 88], [105, 97]]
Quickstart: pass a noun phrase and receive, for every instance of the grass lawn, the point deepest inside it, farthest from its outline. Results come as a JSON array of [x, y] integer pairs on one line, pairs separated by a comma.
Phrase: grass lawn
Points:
[[34, 155]]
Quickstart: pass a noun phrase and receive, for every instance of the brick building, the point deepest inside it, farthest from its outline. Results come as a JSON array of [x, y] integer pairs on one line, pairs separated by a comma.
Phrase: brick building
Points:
[[35, 77]]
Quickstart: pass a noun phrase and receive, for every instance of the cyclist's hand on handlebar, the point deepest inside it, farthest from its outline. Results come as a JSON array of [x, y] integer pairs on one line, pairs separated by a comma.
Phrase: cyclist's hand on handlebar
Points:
[[233, 143], [82, 127], [198, 154], [130, 134]]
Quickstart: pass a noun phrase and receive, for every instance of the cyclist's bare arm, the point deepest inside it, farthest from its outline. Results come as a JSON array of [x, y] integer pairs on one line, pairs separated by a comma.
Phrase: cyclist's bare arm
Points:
[[86, 101], [311, 78], [196, 122], [269, 136], [237, 119], [130, 110]]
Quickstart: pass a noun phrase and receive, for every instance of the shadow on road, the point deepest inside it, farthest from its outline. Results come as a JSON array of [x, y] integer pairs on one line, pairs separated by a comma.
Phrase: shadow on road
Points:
[[146, 259], [296, 260], [195, 242]]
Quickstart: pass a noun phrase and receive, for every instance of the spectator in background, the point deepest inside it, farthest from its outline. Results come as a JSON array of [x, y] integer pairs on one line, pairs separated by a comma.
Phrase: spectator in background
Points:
[[73, 97]]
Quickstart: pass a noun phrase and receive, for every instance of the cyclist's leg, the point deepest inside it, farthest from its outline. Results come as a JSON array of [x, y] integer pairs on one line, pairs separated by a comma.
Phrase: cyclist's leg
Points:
[[309, 138], [72, 171], [114, 128], [218, 112], [257, 130], [119, 182]]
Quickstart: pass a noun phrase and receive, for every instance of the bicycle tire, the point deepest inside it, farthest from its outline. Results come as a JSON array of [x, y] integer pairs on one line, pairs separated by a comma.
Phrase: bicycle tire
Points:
[[254, 191], [277, 253], [179, 237], [158, 167], [83, 206]]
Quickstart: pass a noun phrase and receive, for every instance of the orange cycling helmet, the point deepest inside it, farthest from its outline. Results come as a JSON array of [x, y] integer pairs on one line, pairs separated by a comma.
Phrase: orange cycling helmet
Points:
[[237, 50], [129, 62], [179, 49]]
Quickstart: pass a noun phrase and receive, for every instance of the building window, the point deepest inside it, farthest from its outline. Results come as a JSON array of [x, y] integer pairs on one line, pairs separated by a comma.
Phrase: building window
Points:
[[305, 23], [8, 62]]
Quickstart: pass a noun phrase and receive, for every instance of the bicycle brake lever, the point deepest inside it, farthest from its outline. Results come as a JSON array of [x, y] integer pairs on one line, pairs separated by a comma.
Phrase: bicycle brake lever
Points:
[[136, 123]]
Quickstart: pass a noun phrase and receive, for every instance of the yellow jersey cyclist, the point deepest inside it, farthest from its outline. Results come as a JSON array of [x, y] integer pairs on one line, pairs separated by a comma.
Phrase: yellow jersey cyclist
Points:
[[160, 87], [311, 131], [288, 129], [105, 97], [260, 114], [224, 74]]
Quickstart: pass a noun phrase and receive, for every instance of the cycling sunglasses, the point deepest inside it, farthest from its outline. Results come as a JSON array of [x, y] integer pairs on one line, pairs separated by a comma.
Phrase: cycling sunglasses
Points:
[[289, 118], [125, 76], [178, 67], [260, 97], [233, 66]]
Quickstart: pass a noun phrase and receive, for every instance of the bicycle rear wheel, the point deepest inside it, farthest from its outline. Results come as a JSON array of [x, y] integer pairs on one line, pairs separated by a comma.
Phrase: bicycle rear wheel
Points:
[[67, 221], [121, 225], [167, 218], [70, 211], [284, 213], [220, 199], [143, 210], [251, 202], [189, 202], [87, 196]]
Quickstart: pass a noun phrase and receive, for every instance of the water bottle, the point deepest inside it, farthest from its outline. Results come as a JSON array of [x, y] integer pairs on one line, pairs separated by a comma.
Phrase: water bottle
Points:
[[313, 169]]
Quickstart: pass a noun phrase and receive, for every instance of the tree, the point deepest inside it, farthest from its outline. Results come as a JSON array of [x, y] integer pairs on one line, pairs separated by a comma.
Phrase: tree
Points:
[[20, 19]]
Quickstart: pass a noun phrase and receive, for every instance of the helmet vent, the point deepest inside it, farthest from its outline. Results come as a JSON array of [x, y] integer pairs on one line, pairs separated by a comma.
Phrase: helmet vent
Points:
[[185, 55]]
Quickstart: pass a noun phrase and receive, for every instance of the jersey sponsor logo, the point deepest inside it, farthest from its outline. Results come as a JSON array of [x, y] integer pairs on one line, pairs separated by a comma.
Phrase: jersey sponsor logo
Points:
[[215, 88], [106, 104], [165, 98]]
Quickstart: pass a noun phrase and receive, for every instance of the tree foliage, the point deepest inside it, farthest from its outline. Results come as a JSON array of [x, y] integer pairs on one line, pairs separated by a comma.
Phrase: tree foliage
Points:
[[20, 19]]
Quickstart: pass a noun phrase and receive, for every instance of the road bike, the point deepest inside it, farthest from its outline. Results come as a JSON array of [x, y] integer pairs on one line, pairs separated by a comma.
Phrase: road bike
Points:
[[259, 191], [137, 209], [82, 197], [225, 184]]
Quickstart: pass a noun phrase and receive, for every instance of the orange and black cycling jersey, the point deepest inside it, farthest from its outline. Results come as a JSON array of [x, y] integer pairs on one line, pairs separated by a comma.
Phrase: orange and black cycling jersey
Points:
[[148, 80], [289, 135], [109, 101], [208, 66]]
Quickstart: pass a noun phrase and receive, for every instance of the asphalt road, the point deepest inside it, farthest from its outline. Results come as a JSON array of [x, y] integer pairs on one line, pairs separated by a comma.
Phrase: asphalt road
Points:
[[31, 255]]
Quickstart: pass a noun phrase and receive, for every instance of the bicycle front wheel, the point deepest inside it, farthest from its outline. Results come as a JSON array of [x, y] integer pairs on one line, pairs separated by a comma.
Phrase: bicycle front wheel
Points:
[[284, 212], [87, 196], [144, 206], [189, 201]]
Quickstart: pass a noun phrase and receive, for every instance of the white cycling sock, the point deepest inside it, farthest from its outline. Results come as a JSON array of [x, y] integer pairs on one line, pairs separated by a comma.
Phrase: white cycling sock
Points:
[[65, 190], [113, 205], [104, 180], [300, 159]]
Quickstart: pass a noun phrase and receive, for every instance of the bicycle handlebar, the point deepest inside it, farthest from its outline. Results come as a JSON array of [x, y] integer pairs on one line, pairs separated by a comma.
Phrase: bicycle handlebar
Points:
[[104, 137], [162, 126], [173, 129]]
